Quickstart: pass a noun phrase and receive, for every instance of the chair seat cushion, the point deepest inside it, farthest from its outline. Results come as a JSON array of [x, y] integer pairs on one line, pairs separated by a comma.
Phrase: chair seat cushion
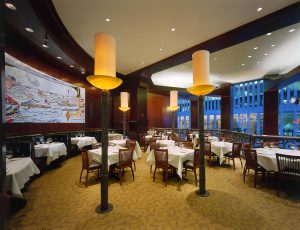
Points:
[[94, 165], [229, 154], [188, 164]]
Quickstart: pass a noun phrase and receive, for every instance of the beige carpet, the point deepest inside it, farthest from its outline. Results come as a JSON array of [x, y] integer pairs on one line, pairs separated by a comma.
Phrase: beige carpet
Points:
[[57, 201]]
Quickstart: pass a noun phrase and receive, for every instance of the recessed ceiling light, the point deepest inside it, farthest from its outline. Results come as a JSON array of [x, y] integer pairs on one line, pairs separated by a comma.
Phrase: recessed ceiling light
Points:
[[71, 66], [249, 56], [255, 48], [269, 34], [243, 64], [45, 46], [258, 62], [28, 29], [273, 45], [215, 59], [107, 19], [160, 49], [173, 29], [259, 9], [266, 54], [143, 62], [10, 6], [58, 57], [292, 30]]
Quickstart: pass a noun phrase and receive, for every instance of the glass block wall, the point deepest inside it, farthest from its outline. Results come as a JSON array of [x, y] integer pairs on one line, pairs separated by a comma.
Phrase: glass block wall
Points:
[[184, 113], [247, 100], [289, 110], [212, 112]]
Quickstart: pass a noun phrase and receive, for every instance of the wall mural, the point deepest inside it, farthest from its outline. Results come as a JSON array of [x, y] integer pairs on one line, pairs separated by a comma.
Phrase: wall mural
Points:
[[32, 96]]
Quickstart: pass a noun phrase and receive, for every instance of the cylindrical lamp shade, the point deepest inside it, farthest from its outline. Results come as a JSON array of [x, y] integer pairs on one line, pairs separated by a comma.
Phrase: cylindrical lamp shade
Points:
[[124, 101], [201, 75], [173, 100], [105, 63]]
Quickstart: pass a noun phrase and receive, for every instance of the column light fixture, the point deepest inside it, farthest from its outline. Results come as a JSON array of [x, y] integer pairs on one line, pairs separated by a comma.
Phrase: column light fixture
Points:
[[124, 97]]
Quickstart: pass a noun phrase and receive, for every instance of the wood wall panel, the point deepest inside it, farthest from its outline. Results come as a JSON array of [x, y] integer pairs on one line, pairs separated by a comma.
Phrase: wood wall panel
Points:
[[93, 97], [225, 113], [194, 114], [157, 113], [271, 113]]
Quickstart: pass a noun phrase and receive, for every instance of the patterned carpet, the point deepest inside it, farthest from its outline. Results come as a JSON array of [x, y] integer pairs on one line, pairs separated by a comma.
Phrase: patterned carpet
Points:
[[57, 201]]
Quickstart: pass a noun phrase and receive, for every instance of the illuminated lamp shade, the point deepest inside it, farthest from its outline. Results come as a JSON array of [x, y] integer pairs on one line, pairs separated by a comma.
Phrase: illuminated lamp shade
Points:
[[201, 83], [173, 101], [105, 63], [124, 102]]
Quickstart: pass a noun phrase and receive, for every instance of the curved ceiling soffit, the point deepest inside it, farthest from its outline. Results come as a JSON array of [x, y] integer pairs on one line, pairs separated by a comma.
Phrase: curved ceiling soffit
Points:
[[47, 15], [271, 22]]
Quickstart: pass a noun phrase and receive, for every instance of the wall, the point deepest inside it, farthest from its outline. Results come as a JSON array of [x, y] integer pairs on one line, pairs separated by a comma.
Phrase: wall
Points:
[[157, 113]]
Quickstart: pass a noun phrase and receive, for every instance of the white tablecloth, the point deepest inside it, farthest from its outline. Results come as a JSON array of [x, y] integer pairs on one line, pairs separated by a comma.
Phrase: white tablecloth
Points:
[[266, 157], [52, 151], [115, 136], [122, 143], [18, 172], [83, 141], [176, 157], [113, 154], [220, 148]]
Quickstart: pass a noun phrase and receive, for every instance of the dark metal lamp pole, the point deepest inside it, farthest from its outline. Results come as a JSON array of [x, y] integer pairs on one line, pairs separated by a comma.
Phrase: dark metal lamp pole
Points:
[[124, 124]]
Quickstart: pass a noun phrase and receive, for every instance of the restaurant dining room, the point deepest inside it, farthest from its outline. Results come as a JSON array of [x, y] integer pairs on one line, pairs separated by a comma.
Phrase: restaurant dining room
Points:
[[148, 114]]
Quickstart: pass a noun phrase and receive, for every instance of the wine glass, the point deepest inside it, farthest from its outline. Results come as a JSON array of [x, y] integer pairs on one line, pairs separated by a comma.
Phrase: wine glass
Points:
[[293, 147]]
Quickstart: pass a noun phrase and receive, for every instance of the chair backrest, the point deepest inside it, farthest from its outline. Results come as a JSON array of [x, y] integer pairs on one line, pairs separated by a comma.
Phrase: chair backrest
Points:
[[19, 149], [130, 144], [236, 149], [141, 139], [154, 145], [251, 158], [188, 145], [196, 142], [125, 157], [207, 148], [152, 139], [85, 159], [161, 158], [288, 165], [188, 137], [196, 158]]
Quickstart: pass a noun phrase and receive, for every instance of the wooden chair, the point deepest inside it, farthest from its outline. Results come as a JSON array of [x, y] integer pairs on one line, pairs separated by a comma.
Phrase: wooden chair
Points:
[[193, 165], [153, 146], [161, 161], [288, 168], [245, 146], [130, 144], [125, 161], [208, 153], [88, 166], [235, 153], [251, 163], [142, 141]]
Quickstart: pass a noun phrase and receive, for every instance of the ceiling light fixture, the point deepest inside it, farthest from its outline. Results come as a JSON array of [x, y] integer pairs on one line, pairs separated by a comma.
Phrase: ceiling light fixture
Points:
[[10, 6], [28, 29], [58, 57], [266, 54], [268, 34], [259, 9], [215, 59], [258, 62], [273, 45], [107, 19], [255, 48], [160, 49], [243, 64], [71, 66], [249, 56], [45, 45], [173, 29], [292, 30], [143, 62], [82, 70]]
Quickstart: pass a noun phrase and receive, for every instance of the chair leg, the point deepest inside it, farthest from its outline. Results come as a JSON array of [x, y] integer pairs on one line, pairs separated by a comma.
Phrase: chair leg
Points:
[[132, 173], [166, 179], [154, 174], [255, 177], [134, 166], [195, 174], [244, 172], [278, 185], [151, 169], [87, 177], [120, 176], [80, 175], [241, 162], [233, 163]]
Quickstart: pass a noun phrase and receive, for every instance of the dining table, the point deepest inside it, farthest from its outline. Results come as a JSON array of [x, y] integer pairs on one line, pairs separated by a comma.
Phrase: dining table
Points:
[[112, 152], [266, 157], [50, 150], [83, 141], [220, 148], [122, 143], [176, 156], [18, 172]]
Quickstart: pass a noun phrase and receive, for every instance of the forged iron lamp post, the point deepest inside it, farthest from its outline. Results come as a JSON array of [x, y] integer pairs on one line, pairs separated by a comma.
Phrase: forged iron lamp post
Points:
[[124, 107], [105, 79], [201, 87], [173, 107]]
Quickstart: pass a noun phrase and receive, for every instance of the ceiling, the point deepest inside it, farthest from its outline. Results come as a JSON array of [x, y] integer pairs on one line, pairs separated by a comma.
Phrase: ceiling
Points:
[[234, 64], [143, 27]]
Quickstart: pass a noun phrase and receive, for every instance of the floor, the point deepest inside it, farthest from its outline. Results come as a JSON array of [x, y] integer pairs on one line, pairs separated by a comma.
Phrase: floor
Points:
[[57, 200]]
